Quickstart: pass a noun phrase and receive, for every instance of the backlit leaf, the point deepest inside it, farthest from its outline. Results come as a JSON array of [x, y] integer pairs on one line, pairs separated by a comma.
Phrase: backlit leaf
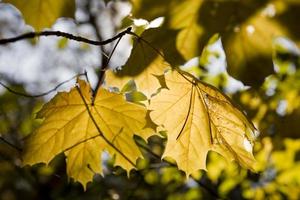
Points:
[[143, 66], [247, 29], [43, 13], [198, 119], [69, 127]]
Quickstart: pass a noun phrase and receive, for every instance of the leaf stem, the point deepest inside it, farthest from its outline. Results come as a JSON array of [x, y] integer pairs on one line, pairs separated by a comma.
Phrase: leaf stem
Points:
[[99, 130], [103, 70]]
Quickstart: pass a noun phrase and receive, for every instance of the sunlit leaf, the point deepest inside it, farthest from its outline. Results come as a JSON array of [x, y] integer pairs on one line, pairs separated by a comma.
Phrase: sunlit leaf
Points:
[[69, 127], [143, 66], [43, 13], [247, 29], [198, 119]]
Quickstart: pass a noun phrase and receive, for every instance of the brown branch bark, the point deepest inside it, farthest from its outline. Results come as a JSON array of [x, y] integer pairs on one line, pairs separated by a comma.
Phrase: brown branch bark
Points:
[[31, 35]]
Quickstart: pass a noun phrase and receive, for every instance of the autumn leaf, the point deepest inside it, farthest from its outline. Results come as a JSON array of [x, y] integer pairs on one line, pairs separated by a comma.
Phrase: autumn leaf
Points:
[[43, 13], [83, 134], [144, 66], [199, 118], [247, 29]]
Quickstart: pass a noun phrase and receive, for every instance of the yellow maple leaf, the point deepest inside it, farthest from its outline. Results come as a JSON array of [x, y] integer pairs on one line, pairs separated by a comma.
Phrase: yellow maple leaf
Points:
[[43, 13], [143, 66], [83, 134], [198, 119]]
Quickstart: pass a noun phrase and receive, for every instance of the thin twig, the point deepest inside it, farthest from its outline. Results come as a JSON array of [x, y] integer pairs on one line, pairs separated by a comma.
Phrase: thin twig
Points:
[[87, 77], [105, 60], [31, 35], [103, 70], [10, 144], [146, 148], [42, 94]]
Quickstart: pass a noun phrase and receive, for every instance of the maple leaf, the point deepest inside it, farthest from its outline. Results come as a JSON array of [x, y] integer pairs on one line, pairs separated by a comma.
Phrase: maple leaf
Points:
[[82, 130], [43, 13], [144, 66], [199, 118], [247, 29]]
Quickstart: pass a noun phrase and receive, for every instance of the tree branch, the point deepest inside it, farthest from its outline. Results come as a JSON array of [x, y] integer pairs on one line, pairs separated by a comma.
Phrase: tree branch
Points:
[[42, 94], [65, 35]]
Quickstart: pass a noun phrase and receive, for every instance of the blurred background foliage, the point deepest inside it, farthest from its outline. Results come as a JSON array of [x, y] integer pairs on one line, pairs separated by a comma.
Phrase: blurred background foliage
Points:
[[258, 41]]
